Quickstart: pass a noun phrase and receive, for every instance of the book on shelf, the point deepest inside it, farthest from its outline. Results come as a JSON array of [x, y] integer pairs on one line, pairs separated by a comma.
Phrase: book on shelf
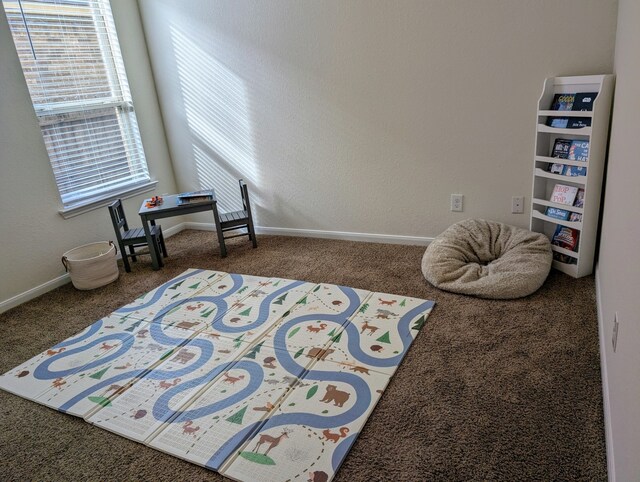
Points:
[[559, 122], [581, 101], [575, 217], [584, 101], [569, 122], [565, 237], [579, 200], [556, 168], [564, 258], [578, 122], [563, 101], [561, 148], [564, 194], [557, 213], [575, 171], [578, 151]]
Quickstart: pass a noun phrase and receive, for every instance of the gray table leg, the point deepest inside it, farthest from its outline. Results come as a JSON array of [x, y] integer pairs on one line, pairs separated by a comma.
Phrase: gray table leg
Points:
[[216, 218], [152, 249]]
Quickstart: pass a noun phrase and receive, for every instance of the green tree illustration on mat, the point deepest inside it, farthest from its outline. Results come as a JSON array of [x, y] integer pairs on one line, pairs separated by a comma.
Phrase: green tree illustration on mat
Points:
[[331, 333], [363, 308], [403, 302], [243, 289], [280, 299], [336, 338], [207, 313], [238, 416], [176, 286], [193, 287], [98, 375], [384, 338], [238, 341], [419, 323], [303, 301], [245, 312], [254, 351], [133, 327]]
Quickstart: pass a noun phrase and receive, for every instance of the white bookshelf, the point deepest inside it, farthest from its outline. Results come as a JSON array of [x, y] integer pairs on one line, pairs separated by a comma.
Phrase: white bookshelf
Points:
[[544, 181]]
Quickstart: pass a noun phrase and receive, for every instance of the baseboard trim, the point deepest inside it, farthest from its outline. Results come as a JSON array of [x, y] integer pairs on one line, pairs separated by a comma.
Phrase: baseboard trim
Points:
[[316, 233], [64, 279], [34, 292], [611, 473], [168, 232]]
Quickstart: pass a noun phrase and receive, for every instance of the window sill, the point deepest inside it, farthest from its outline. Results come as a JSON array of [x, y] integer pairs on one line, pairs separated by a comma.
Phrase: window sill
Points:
[[105, 201]]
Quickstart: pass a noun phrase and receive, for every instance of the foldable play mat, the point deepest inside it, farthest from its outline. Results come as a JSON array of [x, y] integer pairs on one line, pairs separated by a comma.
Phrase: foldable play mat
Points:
[[256, 378]]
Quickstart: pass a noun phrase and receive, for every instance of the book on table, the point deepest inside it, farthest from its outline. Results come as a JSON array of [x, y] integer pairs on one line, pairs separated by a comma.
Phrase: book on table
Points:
[[194, 197]]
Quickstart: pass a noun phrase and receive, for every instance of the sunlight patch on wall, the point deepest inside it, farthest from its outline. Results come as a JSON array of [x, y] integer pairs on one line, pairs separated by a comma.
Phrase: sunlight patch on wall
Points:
[[217, 115], [211, 174]]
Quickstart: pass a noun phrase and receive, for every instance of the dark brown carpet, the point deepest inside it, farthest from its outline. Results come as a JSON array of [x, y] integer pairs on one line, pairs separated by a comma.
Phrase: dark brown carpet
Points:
[[490, 390]]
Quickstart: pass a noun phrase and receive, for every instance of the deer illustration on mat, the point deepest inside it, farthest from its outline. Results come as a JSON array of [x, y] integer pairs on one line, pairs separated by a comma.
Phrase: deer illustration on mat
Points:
[[232, 380], [366, 326], [272, 441]]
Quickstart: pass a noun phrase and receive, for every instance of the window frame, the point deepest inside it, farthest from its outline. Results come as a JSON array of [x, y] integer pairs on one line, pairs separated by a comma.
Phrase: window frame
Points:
[[118, 104]]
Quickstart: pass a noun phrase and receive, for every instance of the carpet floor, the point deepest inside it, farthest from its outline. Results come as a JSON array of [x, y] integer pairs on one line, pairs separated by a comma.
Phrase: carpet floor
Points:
[[490, 390]]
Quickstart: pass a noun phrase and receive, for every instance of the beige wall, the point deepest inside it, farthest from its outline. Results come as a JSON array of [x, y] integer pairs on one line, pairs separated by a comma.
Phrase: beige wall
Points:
[[618, 272], [364, 116], [33, 235]]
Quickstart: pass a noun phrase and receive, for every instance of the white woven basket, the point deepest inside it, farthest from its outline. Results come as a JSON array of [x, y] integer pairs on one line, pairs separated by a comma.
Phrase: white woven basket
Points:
[[92, 265]]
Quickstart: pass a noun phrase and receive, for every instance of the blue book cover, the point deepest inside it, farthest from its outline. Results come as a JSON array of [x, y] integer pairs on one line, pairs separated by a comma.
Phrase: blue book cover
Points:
[[560, 122], [557, 213], [574, 171], [579, 150]]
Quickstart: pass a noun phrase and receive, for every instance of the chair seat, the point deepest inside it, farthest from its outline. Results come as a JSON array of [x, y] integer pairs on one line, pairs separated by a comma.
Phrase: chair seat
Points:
[[136, 235], [234, 218]]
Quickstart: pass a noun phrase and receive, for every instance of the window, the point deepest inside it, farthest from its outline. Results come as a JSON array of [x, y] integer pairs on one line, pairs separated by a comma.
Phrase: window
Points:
[[72, 63]]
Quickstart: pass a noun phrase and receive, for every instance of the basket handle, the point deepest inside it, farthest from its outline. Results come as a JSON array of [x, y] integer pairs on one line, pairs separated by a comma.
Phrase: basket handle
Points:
[[65, 262]]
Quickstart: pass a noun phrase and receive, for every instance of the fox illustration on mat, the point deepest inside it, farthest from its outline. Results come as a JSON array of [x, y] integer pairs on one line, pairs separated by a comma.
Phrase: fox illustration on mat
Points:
[[334, 437]]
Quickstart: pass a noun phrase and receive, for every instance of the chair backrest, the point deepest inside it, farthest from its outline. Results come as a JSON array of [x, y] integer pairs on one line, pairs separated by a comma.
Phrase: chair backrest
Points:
[[244, 192], [118, 218]]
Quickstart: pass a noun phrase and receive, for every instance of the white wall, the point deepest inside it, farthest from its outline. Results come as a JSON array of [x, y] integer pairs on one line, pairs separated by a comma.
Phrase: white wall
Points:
[[618, 270], [33, 235], [365, 116]]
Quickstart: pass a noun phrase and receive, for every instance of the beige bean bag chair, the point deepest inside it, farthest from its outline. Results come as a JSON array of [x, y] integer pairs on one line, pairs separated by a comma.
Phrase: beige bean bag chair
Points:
[[488, 259]]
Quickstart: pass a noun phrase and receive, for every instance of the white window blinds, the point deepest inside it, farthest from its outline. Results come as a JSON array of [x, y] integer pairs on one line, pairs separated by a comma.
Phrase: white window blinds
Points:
[[72, 63]]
